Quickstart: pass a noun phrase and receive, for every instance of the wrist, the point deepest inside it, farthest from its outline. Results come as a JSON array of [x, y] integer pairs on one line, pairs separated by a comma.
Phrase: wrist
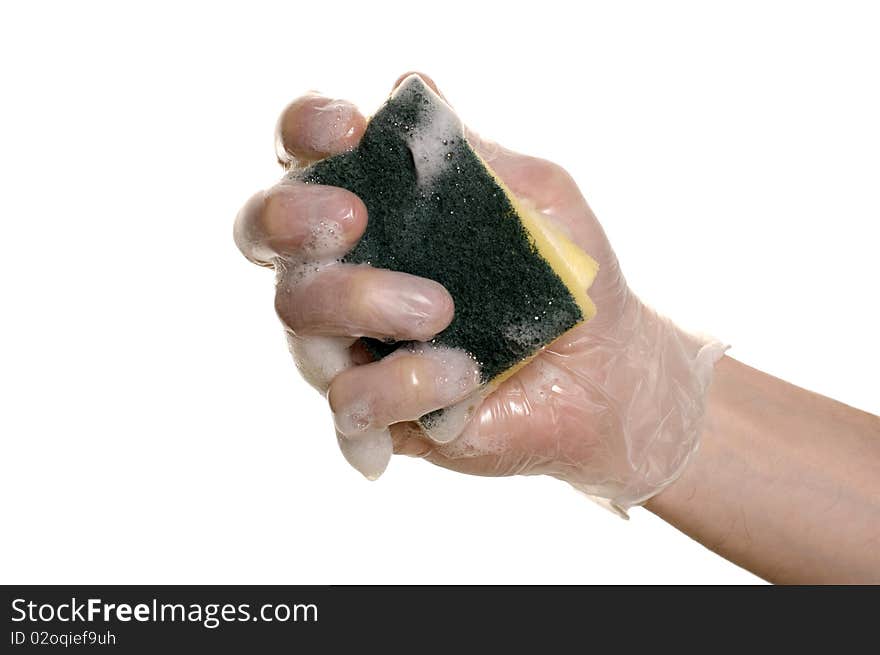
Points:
[[658, 377]]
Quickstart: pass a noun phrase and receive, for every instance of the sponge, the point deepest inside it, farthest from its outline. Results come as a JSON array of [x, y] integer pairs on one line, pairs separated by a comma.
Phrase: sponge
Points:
[[436, 209]]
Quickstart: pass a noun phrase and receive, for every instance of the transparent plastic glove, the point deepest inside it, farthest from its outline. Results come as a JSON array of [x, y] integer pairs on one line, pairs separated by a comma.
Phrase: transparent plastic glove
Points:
[[613, 407]]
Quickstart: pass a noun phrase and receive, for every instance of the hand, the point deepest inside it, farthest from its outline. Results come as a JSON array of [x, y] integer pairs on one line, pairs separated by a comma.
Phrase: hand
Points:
[[613, 406]]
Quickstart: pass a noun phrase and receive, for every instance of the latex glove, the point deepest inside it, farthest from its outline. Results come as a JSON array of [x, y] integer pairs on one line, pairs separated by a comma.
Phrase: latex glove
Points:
[[614, 406]]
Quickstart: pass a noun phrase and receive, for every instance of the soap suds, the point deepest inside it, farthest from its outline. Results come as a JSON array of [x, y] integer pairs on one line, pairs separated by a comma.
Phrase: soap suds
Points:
[[319, 359], [369, 452], [461, 387], [355, 419], [367, 447], [325, 236], [460, 372], [431, 141], [525, 334]]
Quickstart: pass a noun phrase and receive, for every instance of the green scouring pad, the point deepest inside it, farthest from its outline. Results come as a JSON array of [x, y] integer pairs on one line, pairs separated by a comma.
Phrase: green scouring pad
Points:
[[435, 209]]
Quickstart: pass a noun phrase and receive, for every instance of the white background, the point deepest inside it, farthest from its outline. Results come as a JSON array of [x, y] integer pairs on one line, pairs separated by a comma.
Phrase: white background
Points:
[[153, 427]]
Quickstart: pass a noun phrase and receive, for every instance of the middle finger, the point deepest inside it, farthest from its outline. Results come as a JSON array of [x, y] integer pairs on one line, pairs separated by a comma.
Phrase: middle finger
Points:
[[362, 301]]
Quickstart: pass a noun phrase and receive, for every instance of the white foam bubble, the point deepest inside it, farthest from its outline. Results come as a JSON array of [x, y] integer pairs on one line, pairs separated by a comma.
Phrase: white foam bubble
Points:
[[526, 334], [460, 372], [355, 419], [369, 452], [320, 359], [325, 236], [431, 141], [365, 445]]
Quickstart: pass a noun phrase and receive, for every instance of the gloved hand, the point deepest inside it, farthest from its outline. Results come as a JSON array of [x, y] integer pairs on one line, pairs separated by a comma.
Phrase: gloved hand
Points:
[[613, 407]]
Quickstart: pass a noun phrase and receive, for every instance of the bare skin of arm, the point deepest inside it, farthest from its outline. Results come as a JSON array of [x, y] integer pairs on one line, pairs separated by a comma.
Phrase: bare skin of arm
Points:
[[786, 482]]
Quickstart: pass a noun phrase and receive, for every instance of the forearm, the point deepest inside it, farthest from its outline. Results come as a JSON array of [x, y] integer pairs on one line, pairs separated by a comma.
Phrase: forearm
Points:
[[786, 482]]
